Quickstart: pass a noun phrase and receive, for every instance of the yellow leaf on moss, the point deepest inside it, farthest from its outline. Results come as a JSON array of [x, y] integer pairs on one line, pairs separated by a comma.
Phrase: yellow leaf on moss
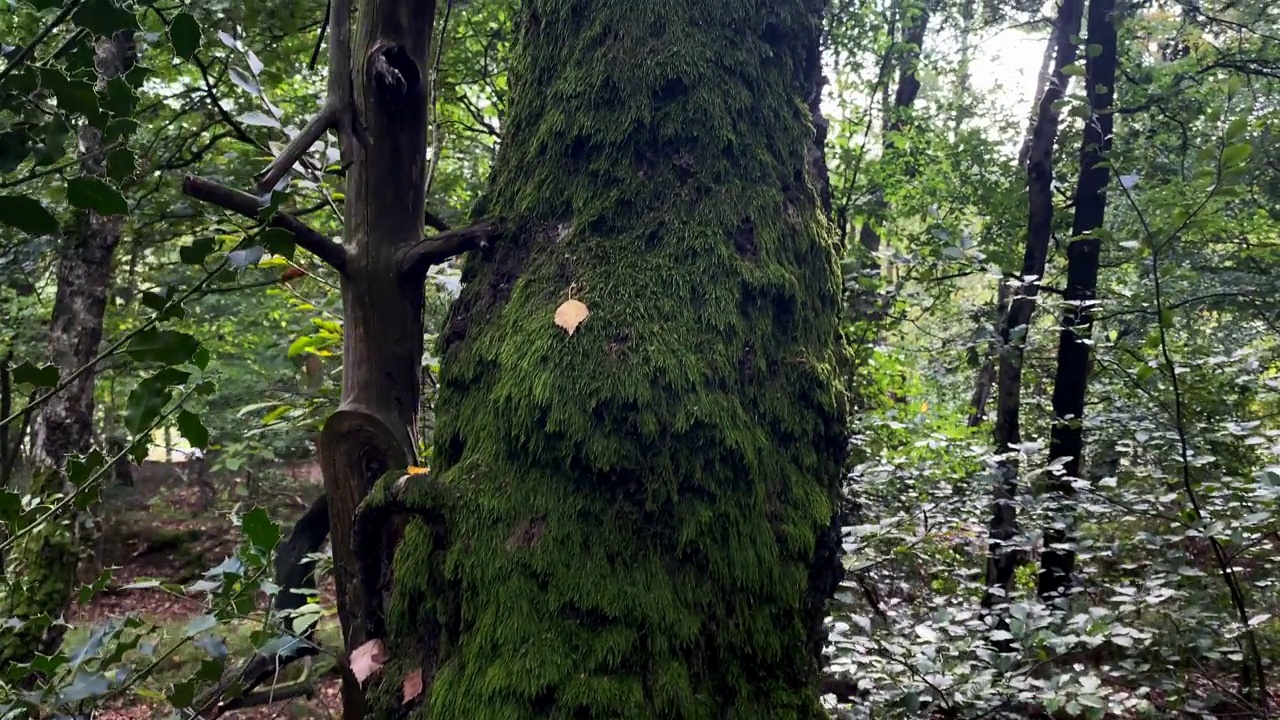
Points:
[[412, 686], [367, 660], [570, 315], [415, 470]]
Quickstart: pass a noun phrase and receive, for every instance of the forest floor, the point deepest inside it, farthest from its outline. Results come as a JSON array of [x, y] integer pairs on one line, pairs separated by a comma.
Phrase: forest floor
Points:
[[169, 529]]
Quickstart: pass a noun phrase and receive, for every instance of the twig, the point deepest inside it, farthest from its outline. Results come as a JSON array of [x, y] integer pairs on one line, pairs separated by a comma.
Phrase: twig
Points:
[[242, 203], [417, 258]]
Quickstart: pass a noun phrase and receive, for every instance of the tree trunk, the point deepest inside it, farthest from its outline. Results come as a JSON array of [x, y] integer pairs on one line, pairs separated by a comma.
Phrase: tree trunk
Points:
[[1003, 559], [41, 567], [1042, 82], [632, 517], [916, 23], [1066, 440], [989, 350]]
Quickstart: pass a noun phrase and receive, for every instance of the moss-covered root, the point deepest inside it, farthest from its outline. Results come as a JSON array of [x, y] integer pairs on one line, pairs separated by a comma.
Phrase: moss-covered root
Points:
[[645, 503]]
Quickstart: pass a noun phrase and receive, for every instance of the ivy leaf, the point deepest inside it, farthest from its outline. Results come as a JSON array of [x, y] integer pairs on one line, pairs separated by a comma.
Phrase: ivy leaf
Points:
[[411, 687], [166, 346], [258, 119], [85, 685], [149, 398], [184, 34], [260, 530], [241, 259], [102, 17], [245, 81], [278, 241], [121, 164], [27, 214], [90, 193], [570, 315], [184, 693], [10, 505], [1236, 154], [193, 429], [199, 624], [255, 65], [44, 376], [197, 251]]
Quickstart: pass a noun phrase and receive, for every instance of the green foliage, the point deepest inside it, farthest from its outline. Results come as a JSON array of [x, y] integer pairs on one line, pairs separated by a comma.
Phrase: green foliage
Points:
[[202, 337]]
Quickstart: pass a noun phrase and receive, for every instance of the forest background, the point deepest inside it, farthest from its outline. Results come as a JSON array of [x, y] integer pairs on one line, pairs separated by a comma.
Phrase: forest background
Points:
[[1060, 227]]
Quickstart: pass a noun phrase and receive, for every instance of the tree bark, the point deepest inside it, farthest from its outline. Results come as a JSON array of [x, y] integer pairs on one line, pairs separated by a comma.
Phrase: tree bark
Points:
[[1066, 440], [633, 518], [41, 567], [1003, 559]]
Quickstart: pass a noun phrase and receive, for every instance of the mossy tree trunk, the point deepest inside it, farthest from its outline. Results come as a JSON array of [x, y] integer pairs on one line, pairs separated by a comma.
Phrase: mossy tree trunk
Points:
[[634, 518]]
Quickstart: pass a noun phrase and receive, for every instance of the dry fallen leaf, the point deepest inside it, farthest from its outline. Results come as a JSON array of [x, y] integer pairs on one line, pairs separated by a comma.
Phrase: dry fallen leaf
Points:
[[412, 685], [367, 660], [415, 470], [570, 314]]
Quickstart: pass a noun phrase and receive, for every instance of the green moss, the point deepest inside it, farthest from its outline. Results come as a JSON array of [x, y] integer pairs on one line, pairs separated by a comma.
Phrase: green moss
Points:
[[642, 501]]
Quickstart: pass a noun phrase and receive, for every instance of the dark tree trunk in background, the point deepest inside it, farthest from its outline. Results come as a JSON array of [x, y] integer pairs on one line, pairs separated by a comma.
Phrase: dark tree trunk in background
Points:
[[1003, 559], [915, 25], [1071, 381], [989, 351], [41, 567], [1042, 83]]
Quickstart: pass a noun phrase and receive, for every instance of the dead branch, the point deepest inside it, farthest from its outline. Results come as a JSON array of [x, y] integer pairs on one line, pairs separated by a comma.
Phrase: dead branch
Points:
[[242, 203], [416, 259], [324, 120]]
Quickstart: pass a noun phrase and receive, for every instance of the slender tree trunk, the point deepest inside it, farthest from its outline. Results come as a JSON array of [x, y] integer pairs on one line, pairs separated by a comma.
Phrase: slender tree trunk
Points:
[[962, 110], [916, 23], [632, 517], [987, 371], [1066, 441], [1042, 83], [1003, 558], [41, 567]]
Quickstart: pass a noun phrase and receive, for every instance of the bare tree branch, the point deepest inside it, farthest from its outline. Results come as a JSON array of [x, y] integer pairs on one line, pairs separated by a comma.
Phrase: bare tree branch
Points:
[[324, 248], [415, 260], [298, 146]]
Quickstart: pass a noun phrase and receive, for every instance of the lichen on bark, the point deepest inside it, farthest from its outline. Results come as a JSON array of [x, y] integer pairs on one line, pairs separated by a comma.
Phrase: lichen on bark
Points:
[[642, 513]]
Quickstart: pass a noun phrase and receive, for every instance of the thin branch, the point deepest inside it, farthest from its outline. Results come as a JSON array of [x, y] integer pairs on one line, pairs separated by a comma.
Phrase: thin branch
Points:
[[415, 260], [242, 203]]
